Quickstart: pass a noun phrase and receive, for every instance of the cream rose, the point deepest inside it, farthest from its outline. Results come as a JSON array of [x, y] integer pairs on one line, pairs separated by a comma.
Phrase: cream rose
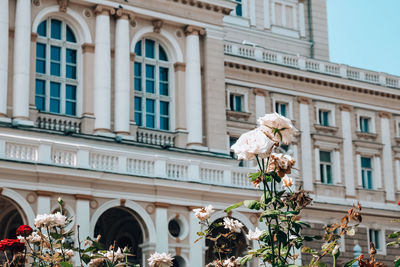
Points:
[[253, 143], [275, 121]]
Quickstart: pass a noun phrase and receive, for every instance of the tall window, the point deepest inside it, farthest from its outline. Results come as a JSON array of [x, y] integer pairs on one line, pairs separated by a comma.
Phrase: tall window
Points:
[[324, 117], [239, 8], [365, 124], [56, 68], [236, 102], [325, 167], [374, 237], [152, 85], [366, 173], [281, 108]]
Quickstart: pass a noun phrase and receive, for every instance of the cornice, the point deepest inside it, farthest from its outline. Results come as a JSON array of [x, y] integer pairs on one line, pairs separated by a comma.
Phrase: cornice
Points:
[[224, 9], [384, 114], [297, 77]]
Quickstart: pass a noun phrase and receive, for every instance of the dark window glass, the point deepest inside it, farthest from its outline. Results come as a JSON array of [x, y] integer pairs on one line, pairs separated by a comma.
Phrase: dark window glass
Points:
[[150, 78], [54, 97], [70, 72], [54, 89], [138, 110], [162, 54], [164, 81], [150, 109], [239, 8], [138, 48], [55, 69], [70, 92], [40, 88], [55, 56], [70, 35], [365, 162], [70, 108], [138, 76], [71, 56], [324, 117], [174, 228], [364, 124], [325, 156], [164, 108], [56, 29], [238, 103], [41, 50], [42, 29], [150, 45]]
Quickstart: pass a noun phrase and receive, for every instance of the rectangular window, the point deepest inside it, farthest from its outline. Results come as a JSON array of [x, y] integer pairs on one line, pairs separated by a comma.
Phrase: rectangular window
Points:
[[325, 167], [138, 76], [40, 58], [138, 111], [150, 113], [375, 237], [239, 8], [289, 17], [163, 81], [70, 56], [70, 100], [150, 78], [55, 58], [236, 102], [324, 117], [164, 115], [55, 97], [281, 108], [365, 124], [366, 173], [40, 95]]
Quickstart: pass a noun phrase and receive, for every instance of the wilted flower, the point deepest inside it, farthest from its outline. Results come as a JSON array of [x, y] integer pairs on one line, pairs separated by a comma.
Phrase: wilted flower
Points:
[[96, 262], [69, 253], [160, 260], [254, 235], [253, 143], [278, 127], [114, 256], [87, 243], [34, 238], [280, 163], [287, 181], [203, 213], [232, 225]]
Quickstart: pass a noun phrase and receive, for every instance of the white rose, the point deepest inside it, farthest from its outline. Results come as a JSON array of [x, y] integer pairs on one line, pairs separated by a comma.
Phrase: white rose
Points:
[[254, 235], [203, 213], [276, 121], [160, 260], [232, 225], [253, 143], [114, 256]]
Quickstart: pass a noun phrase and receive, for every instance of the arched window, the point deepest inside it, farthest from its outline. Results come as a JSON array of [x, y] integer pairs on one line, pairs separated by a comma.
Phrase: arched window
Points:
[[152, 85], [56, 68]]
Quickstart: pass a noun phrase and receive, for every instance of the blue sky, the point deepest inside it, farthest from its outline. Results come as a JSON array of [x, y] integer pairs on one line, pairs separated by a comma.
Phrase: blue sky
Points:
[[365, 34]]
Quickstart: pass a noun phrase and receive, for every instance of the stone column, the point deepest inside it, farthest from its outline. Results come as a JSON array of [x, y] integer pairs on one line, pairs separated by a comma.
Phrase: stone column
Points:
[[122, 72], [4, 57], [377, 173], [162, 227], [180, 104], [306, 157], [196, 249], [260, 102], [22, 43], [387, 157], [193, 86], [348, 159], [102, 70], [87, 88], [43, 202]]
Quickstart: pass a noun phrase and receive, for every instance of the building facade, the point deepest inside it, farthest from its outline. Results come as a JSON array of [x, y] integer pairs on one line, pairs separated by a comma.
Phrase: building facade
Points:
[[127, 109]]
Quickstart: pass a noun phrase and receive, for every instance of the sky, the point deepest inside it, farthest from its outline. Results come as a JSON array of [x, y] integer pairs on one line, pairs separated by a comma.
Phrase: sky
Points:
[[365, 34]]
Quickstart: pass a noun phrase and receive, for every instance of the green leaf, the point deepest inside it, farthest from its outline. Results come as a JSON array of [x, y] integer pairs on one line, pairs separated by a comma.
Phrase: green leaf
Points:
[[252, 204], [66, 264], [350, 263], [85, 258], [234, 206], [281, 236], [254, 176], [245, 259], [270, 213], [397, 263], [394, 235]]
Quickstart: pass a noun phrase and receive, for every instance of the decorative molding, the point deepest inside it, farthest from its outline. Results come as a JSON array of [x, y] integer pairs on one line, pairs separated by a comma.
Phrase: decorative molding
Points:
[[83, 197], [102, 130], [161, 205], [193, 30], [384, 114], [31, 198], [132, 56], [126, 14], [150, 209], [207, 6], [304, 100], [104, 10], [34, 37], [44, 193], [63, 5], [88, 48], [122, 202], [179, 66], [260, 92], [191, 208], [157, 24], [36, 2], [344, 107]]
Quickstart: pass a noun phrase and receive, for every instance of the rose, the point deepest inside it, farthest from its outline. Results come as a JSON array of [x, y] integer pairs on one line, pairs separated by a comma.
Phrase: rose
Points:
[[278, 127], [254, 235], [204, 213], [14, 245], [281, 164], [253, 143], [24, 230], [232, 225], [160, 260]]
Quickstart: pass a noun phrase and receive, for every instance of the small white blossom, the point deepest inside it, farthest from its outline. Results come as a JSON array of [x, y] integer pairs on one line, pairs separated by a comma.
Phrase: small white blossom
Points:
[[254, 235], [87, 243], [232, 225], [203, 213], [114, 256], [160, 260], [34, 238], [232, 262], [351, 232], [335, 249]]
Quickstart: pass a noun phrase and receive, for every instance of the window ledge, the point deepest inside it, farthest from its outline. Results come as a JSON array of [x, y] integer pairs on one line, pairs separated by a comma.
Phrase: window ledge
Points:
[[397, 139], [237, 114], [373, 195], [330, 190], [366, 136], [58, 122], [325, 129]]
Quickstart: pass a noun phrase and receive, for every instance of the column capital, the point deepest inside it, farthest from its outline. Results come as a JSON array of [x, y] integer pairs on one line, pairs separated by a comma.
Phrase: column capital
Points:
[[44, 193], [157, 24], [304, 100], [259, 92], [179, 66], [127, 15], [384, 114], [194, 30], [132, 56], [88, 48], [104, 10], [344, 107]]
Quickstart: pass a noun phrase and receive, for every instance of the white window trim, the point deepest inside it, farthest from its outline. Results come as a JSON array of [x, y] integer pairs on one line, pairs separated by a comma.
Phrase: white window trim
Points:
[[382, 231], [283, 99], [238, 91], [328, 107], [283, 29], [367, 114]]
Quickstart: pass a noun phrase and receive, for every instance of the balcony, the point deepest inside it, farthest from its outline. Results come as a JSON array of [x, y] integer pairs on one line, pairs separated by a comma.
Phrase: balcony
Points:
[[58, 123]]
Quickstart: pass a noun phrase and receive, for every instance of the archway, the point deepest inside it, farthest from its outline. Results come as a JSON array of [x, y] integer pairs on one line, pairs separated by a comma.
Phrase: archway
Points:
[[124, 227], [10, 218]]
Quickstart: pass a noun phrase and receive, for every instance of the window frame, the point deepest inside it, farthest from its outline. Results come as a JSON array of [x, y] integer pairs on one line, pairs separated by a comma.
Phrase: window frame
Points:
[[381, 237], [284, 29], [365, 124], [364, 174], [366, 114], [233, 104], [284, 99], [48, 78], [238, 91], [326, 107], [324, 165]]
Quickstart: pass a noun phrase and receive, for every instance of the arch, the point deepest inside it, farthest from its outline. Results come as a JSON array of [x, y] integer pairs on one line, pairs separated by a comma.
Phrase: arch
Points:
[[27, 213], [150, 231], [73, 18], [166, 39]]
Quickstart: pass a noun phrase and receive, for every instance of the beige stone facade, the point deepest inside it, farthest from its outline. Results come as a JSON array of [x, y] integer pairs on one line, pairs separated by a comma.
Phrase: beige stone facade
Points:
[[131, 149]]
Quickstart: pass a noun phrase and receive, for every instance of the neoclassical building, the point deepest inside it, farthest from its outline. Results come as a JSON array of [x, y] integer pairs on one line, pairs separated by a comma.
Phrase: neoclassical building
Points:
[[127, 108]]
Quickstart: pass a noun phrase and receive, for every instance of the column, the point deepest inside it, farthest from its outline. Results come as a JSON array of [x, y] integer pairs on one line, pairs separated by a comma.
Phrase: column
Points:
[[162, 227], [196, 249], [82, 218], [22, 43], [302, 25], [260, 102], [348, 150], [43, 202], [193, 86], [180, 105], [306, 157], [4, 57], [267, 17], [387, 157], [122, 73], [88, 118], [377, 173], [102, 70]]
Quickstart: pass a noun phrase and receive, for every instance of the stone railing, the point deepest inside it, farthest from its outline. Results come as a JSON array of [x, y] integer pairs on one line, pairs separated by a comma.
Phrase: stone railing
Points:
[[58, 123], [154, 137], [70, 154], [307, 64]]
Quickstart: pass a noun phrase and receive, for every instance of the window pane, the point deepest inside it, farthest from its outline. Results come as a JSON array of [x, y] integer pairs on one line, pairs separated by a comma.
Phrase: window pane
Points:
[[40, 50], [325, 156], [70, 108], [40, 87], [40, 103], [137, 75], [238, 103], [363, 178], [149, 71], [42, 29], [162, 55], [55, 53], [138, 84], [163, 74], [370, 182], [164, 88], [138, 103], [322, 174], [54, 105], [326, 118], [71, 72], [70, 56], [150, 106], [55, 69], [365, 162], [149, 86], [164, 108], [40, 66], [231, 100], [56, 29], [138, 69], [149, 121], [70, 92], [164, 123], [329, 174], [377, 244], [138, 118], [149, 48], [54, 89], [283, 109], [138, 48], [70, 35], [239, 8], [150, 78]]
